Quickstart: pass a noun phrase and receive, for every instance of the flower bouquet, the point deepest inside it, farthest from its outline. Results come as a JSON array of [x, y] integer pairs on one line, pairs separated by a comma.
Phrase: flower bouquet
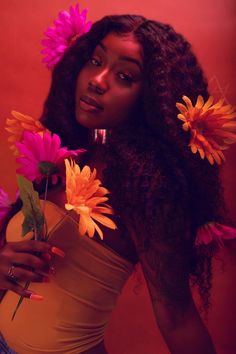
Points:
[[41, 158]]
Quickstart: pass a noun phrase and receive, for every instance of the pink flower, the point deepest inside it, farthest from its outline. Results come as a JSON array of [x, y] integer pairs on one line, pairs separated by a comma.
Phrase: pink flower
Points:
[[214, 232], [5, 204], [42, 156], [68, 27]]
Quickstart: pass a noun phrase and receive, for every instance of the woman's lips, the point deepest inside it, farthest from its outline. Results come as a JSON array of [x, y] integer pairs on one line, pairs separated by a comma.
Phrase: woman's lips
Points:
[[88, 104]]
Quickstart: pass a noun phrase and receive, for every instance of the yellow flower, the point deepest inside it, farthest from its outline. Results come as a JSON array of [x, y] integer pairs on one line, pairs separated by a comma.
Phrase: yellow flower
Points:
[[86, 197], [18, 124], [213, 127]]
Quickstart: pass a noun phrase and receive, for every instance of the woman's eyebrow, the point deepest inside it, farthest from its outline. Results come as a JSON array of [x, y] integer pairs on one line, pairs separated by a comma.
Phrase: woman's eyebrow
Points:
[[124, 57]]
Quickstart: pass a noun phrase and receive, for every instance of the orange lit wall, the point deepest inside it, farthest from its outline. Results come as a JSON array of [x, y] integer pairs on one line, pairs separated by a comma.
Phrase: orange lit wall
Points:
[[210, 26]]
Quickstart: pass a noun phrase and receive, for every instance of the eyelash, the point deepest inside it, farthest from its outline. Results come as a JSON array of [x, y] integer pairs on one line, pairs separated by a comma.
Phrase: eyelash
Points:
[[126, 78], [94, 59]]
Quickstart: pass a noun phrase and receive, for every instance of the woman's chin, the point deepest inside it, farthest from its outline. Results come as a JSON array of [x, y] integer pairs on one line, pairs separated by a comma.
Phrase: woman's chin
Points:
[[89, 121]]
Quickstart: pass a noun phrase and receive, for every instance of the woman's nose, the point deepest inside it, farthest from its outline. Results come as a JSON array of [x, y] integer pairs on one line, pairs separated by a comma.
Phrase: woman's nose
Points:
[[99, 82]]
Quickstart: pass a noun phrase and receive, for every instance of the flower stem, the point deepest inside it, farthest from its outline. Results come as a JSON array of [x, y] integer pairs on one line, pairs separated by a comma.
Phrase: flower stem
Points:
[[44, 205], [20, 300], [46, 189]]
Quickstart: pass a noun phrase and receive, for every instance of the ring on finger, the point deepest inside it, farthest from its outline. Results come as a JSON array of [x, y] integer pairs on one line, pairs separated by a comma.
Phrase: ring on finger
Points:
[[11, 275]]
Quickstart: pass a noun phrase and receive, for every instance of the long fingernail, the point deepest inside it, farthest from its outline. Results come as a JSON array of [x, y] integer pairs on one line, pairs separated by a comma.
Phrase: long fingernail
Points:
[[32, 296], [36, 297], [58, 251]]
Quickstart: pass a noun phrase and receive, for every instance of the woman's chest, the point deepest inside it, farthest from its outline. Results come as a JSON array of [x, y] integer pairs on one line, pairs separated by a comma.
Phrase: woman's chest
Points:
[[117, 240]]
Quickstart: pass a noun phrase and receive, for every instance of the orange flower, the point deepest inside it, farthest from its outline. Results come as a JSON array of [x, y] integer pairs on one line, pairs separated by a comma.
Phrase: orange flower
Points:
[[213, 127], [86, 197], [18, 124]]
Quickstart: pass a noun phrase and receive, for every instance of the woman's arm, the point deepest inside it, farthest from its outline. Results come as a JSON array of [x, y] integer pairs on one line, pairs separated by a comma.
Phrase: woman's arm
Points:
[[181, 326]]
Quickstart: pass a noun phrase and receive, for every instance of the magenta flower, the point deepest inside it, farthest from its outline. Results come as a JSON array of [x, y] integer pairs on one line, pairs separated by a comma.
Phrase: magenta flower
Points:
[[68, 27], [214, 232], [42, 156], [5, 204]]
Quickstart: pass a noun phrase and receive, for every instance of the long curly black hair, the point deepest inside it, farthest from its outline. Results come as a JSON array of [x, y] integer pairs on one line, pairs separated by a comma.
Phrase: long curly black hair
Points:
[[159, 188]]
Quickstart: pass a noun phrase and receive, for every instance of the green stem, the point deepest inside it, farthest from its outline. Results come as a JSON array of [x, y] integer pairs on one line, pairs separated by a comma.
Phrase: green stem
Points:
[[44, 205], [46, 189], [37, 236], [20, 300]]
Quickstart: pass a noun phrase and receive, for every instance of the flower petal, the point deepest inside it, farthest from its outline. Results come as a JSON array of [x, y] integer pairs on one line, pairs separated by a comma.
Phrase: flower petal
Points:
[[85, 193], [104, 220], [68, 26], [213, 126], [83, 224]]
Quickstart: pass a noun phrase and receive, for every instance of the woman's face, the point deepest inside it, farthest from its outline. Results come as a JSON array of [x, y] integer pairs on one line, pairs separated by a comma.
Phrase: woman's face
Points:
[[109, 84]]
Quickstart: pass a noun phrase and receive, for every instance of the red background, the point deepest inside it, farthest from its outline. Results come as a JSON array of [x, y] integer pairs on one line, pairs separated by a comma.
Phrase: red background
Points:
[[210, 27]]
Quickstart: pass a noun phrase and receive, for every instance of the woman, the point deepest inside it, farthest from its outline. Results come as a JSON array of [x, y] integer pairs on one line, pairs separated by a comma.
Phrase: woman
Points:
[[125, 75]]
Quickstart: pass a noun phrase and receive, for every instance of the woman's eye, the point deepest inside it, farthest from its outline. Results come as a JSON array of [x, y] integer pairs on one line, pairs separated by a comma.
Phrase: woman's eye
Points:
[[126, 77], [95, 61]]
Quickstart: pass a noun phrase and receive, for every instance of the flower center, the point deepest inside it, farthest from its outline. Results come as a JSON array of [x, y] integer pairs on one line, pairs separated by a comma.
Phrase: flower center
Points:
[[201, 126], [47, 168]]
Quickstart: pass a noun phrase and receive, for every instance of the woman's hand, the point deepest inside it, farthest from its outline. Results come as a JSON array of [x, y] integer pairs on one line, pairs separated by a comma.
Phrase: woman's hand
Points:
[[25, 261]]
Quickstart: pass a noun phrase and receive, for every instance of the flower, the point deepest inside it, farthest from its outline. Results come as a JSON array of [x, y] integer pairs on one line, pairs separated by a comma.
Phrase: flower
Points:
[[214, 232], [42, 156], [5, 204], [18, 124], [5, 207], [68, 27], [212, 126], [86, 197]]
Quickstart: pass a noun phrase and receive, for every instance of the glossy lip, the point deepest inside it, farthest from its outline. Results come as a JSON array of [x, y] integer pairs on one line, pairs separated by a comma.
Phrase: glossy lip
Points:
[[91, 101]]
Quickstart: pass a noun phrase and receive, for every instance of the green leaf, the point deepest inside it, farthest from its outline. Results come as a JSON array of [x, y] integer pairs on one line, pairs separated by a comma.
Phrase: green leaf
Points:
[[34, 217]]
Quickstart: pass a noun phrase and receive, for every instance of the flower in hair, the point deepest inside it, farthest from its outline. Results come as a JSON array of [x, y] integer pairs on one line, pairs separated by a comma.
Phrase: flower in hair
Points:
[[212, 126], [214, 232], [86, 197], [20, 123], [68, 27], [42, 156]]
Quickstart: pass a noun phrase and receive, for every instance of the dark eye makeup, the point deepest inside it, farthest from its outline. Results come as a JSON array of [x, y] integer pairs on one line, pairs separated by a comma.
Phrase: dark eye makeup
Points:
[[127, 78]]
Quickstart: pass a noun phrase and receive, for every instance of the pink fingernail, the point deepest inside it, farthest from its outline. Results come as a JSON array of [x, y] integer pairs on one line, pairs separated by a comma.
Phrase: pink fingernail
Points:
[[36, 297], [58, 251]]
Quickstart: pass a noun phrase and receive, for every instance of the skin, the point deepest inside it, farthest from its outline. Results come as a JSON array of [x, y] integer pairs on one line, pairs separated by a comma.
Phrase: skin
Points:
[[113, 76]]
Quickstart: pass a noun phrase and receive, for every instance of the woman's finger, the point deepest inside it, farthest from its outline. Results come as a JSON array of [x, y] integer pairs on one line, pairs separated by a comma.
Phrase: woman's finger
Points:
[[32, 246], [26, 293], [32, 262], [17, 274]]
